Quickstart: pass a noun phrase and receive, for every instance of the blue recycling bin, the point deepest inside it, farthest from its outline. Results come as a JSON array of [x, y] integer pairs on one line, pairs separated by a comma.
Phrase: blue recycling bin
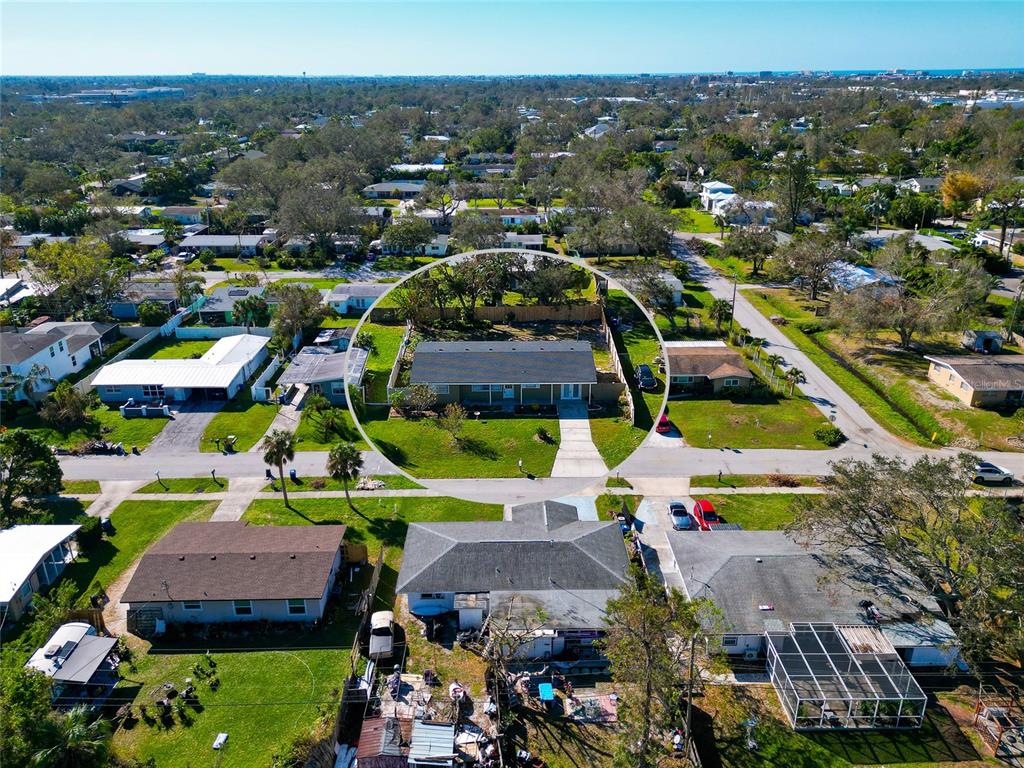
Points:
[[293, 476]]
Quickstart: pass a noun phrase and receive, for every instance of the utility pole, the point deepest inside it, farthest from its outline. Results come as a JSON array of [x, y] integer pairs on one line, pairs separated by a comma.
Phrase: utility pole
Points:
[[688, 743], [732, 312]]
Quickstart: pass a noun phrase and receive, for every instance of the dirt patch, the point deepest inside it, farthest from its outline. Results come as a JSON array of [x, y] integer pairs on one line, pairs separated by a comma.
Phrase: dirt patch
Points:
[[115, 615]]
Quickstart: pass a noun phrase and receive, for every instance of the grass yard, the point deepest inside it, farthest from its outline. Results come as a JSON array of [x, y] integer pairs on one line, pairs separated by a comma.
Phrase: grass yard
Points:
[[341, 321], [311, 437], [387, 339], [171, 348], [756, 511], [315, 282], [401, 263], [137, 524], [186, 485], [732, 422], [391, 483], [248, 421], [731, 266], [747, 481], [105, 423], [490, 447], [80, 486], [614, 436], [692, 220]]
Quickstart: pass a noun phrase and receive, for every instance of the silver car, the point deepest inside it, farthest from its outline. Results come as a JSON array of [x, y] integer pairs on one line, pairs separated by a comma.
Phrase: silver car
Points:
[[986, 472]]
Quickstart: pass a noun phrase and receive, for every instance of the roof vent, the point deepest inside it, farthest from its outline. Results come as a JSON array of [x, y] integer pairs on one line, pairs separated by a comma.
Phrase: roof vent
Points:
[[291, 557], [51, 650], [213, 557], [758, 560], [252, 557], [181, 557]]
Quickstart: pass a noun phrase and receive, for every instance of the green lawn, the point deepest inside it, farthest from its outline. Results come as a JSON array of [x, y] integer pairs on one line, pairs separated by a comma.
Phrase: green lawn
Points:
[[784, 422], [186, 485], [614, 436], [172, 348], [692, 220], [746, 481], [80, 486], [731, 266], [387, 339], [755, 511], [401, 263], [105, 423], [341, 321], [311, 437], [248, 421], [391, 483], [137, 524], [490, 446], [315, 282]]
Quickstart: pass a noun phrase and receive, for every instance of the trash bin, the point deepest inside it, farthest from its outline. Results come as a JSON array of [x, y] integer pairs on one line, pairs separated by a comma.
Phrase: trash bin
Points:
[[293, 476], [270, 475]]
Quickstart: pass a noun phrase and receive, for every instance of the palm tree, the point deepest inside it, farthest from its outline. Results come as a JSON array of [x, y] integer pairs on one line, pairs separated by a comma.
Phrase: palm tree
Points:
[[757, 345], [794, 376], [721, 222], [772, 361], [77, 742], [719, 311], [27, 382], [344, 463], [278, 449]]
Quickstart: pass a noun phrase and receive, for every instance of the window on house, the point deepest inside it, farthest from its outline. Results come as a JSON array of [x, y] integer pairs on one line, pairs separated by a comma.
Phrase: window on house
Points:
[[496, 387], [730, 640], [531, 386], [431, 595], [60, 345], [73, 360], [732, 382], [113, 390], [26, 589], [296, 607], [191, 605], [153, 391], [52, 353], [963, 385], [337, 387], [480, 387], [439, 389], [243, 607]]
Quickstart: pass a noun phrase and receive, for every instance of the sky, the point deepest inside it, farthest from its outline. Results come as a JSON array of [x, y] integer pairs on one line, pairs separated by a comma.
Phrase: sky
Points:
[[493, 37]]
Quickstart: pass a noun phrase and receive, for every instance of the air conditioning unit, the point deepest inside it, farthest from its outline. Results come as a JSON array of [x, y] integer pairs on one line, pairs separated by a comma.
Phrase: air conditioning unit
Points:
[[750, 655]]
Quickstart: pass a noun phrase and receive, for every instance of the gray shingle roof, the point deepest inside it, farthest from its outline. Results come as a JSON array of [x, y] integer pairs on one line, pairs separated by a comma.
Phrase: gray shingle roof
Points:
[[18, 347], [224, 299], [236, 561], [996, 373], [544, 547], [744, 570], [503, 362]]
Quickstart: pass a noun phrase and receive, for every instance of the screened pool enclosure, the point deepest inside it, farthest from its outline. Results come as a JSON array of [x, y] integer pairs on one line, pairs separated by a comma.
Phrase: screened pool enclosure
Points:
[[832, 677]]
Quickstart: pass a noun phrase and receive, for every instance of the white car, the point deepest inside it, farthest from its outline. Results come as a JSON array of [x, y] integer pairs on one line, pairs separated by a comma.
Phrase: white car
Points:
[[382, 635], [986, 472]]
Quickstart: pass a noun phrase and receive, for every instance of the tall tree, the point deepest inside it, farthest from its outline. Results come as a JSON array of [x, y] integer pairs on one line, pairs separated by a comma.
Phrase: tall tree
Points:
[[474, 231], [919, 518], [31, 382], [8, 253], [319, 212], [1004, 204], [794, 187], [649, 639], [344, 463], [188, 286], [649, 284], [444, 200], [959, 189], [408, 235], [811, 259], [67, 407], [278, 449], [79, 739], [299, 309], [27, 468], [750, 244], [252, 311], [76, 275]]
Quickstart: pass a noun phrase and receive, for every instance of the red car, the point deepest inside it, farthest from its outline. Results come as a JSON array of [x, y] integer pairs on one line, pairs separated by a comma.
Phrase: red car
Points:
[[664, 425], [705, 515]]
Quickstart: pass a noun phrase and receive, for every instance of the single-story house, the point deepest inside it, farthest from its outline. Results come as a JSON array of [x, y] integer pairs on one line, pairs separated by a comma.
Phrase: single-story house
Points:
[[761, 581], [32, 558], [323, 370], [489, 170], [930, 243], [144, 240], [355, 297], [13, 290], [57, 348], [138, 292], [219, 189], [436, 247], [512, 372], [597, 130], [921, 184], [81, 665], [513, 217], [218, 375], [401, 190], [705, 367], [528, 242], [23, 242], [477, 158], [980, 380], [847, 277], [666, 146], [123, 187], [873, 181], [225, 245], [183, 214], [219, 306], [983, 341], [337, 339], [234, 572], [543, 557]]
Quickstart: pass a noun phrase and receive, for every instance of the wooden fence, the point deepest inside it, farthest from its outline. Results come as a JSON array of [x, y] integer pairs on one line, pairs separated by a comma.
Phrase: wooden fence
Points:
[[526, 313], [617, 365], [397, 367]]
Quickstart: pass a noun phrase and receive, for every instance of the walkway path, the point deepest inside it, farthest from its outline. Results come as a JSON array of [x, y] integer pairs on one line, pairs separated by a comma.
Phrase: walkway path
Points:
[[577, 455], [112, 493], [287, 418], [239, 496]]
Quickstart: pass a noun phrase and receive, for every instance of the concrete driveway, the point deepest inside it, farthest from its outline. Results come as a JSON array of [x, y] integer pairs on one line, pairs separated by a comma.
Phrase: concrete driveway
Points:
[[577, 455], [185, 429]]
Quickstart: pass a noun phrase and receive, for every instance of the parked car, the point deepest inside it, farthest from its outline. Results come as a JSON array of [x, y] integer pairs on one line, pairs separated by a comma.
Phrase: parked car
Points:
[[645, 377], [664, 425], [681, 520], [705, 515], [986, 472], [382, 635]]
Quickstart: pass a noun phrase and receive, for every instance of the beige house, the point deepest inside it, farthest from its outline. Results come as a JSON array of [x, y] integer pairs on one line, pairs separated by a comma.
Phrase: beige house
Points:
[[979, 381], [705, 367]]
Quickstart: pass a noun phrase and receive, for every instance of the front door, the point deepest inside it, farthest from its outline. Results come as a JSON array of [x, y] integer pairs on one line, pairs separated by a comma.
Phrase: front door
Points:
[[508, 392], [570, 391]]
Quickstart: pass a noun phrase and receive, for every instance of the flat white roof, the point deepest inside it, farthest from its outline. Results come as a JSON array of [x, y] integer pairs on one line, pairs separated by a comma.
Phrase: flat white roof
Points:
[[22, 548], [215, 369], [681, 344]]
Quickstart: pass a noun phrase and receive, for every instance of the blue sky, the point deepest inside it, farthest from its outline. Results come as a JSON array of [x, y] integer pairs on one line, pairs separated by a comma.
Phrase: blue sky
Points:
[[504, 37]]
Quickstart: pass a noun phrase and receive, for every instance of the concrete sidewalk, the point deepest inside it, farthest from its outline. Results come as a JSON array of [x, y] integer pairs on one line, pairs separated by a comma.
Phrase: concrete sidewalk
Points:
[[577, 455]]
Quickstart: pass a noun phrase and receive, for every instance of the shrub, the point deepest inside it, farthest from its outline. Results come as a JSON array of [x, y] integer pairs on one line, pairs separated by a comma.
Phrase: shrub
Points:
[[784, 481], [544, 436], [830, 436], [90, 534], [317, 483]]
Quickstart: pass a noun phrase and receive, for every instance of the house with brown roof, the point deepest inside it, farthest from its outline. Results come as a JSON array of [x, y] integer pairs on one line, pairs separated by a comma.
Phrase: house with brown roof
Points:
[[705, 367], [979, 380], [233, 572]]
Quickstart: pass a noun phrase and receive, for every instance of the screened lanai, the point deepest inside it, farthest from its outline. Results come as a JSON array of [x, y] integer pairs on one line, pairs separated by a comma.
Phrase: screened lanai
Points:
[[842, 677]]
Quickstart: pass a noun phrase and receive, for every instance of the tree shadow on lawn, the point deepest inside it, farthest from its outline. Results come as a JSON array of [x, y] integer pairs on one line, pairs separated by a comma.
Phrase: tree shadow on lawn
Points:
[[559, 736], [393, 453], [477, 447]]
